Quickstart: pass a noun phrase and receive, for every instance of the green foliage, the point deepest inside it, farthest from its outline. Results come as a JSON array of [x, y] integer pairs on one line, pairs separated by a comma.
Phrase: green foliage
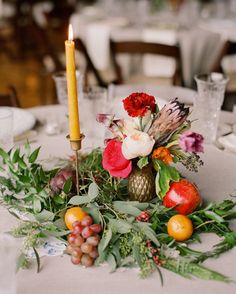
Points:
[[24, 186], [143, 161], [165, 174]]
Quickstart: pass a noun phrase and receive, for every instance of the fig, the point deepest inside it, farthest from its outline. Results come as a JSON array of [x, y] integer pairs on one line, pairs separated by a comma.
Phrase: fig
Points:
[[57, 182]]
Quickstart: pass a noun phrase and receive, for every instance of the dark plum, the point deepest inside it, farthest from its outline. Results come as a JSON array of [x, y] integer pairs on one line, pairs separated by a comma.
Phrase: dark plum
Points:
[[57, 182]]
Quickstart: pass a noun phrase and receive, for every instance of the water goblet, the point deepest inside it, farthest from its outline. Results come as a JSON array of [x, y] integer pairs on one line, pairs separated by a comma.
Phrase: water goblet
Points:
[[92, 102], [208, 102]]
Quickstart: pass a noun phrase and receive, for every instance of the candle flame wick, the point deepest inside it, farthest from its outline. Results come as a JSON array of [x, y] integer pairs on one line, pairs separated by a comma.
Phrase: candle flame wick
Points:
[[70, 33]]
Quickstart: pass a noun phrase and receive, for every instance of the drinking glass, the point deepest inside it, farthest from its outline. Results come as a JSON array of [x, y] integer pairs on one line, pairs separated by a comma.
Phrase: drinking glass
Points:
[[208, 102], [61, 85], [92, 102], [8, 256], [6, 128]]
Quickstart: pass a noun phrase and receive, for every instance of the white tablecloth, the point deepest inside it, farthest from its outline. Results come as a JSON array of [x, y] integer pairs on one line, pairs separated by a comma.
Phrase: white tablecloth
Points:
[[216, 179]]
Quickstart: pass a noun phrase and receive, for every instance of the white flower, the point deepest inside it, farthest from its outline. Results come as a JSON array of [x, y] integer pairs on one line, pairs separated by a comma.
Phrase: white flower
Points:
[[129, 127], [137, 144], [145, 120]]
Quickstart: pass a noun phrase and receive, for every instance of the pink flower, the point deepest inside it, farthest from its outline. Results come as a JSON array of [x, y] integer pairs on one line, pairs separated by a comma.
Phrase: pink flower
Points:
[[112, 124], [191, 142], [114, 162]]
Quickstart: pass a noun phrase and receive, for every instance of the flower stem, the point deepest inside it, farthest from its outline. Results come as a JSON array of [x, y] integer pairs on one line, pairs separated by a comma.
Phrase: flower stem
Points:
[[141, 123]]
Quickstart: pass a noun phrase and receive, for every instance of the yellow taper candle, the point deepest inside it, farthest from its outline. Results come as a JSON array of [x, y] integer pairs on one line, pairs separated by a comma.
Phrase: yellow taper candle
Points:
[[74, 124]]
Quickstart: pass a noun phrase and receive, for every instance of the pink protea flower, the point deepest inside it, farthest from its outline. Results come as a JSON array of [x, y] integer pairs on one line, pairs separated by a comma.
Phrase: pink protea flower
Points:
[[191, 142], [168, 119]]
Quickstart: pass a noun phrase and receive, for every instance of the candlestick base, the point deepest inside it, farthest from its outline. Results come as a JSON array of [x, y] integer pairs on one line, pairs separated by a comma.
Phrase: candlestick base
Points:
[[76, 146]]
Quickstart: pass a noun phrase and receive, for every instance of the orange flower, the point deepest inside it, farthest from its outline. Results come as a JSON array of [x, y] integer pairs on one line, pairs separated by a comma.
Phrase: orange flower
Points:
[[163, 154]]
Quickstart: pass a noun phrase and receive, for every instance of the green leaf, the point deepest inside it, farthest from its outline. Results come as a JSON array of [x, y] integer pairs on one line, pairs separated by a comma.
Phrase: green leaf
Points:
[[67, 186], [60, 224], [129, 260], [57, 199], [92, 194], [106, 239], [4, 154], [120, 226], [146, 230], [126, 207], [45, 216], [16, 155], [167, 174], [56, 233], [34, 155], [111, 261], [115, 250], [79, 200], [21, 163], [139, 205], [93, 190], [212, 215], [137, 255], [94, 212], [4, 181], [142, 162], [36, 205]]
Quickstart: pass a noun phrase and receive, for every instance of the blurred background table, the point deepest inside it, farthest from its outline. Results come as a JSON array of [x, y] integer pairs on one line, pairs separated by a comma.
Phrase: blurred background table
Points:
[[32, 34]]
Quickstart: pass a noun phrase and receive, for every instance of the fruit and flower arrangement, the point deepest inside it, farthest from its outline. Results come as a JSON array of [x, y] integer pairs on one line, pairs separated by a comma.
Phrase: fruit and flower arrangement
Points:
[[134, 207]]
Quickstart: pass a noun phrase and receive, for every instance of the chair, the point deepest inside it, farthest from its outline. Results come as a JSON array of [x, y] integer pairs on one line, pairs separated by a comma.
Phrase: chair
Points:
[[10, 98], [79, 44], [228, 49], [141, 48]]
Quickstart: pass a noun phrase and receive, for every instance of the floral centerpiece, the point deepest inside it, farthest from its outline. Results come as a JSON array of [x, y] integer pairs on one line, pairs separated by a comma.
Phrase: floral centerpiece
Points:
[[134, 207], [144, 147]]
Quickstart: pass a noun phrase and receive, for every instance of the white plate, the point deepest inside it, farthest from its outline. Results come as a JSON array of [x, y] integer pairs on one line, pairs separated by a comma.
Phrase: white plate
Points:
[[23, 121]]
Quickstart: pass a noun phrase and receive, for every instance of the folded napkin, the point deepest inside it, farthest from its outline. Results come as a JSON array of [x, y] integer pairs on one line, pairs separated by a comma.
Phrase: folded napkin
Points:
[[228, 142]]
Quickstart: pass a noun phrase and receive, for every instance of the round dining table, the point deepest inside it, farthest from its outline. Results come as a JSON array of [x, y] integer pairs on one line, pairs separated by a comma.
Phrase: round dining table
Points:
[[216, 180]]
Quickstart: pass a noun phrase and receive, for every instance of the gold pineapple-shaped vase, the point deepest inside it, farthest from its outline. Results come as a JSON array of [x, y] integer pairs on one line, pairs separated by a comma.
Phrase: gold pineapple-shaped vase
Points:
[[141, 184]]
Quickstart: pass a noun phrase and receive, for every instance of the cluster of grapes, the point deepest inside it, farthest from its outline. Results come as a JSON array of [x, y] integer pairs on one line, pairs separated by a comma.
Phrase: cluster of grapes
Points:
[[83, 241]]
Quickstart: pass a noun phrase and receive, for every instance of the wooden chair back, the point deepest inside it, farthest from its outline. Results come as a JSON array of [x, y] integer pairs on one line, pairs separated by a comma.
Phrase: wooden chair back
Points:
[[79, 44], [140, 47], [10, 98]]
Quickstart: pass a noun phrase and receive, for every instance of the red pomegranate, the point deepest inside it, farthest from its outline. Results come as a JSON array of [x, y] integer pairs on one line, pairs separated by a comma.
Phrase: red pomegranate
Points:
[[184, 195]]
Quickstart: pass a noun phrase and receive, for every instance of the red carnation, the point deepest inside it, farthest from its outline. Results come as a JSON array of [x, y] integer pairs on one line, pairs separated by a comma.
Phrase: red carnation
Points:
[[137, 104], [114, 162]]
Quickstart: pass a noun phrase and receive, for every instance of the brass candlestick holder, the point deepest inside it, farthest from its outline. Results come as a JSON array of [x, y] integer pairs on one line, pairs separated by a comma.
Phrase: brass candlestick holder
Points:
[[76, 146]]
